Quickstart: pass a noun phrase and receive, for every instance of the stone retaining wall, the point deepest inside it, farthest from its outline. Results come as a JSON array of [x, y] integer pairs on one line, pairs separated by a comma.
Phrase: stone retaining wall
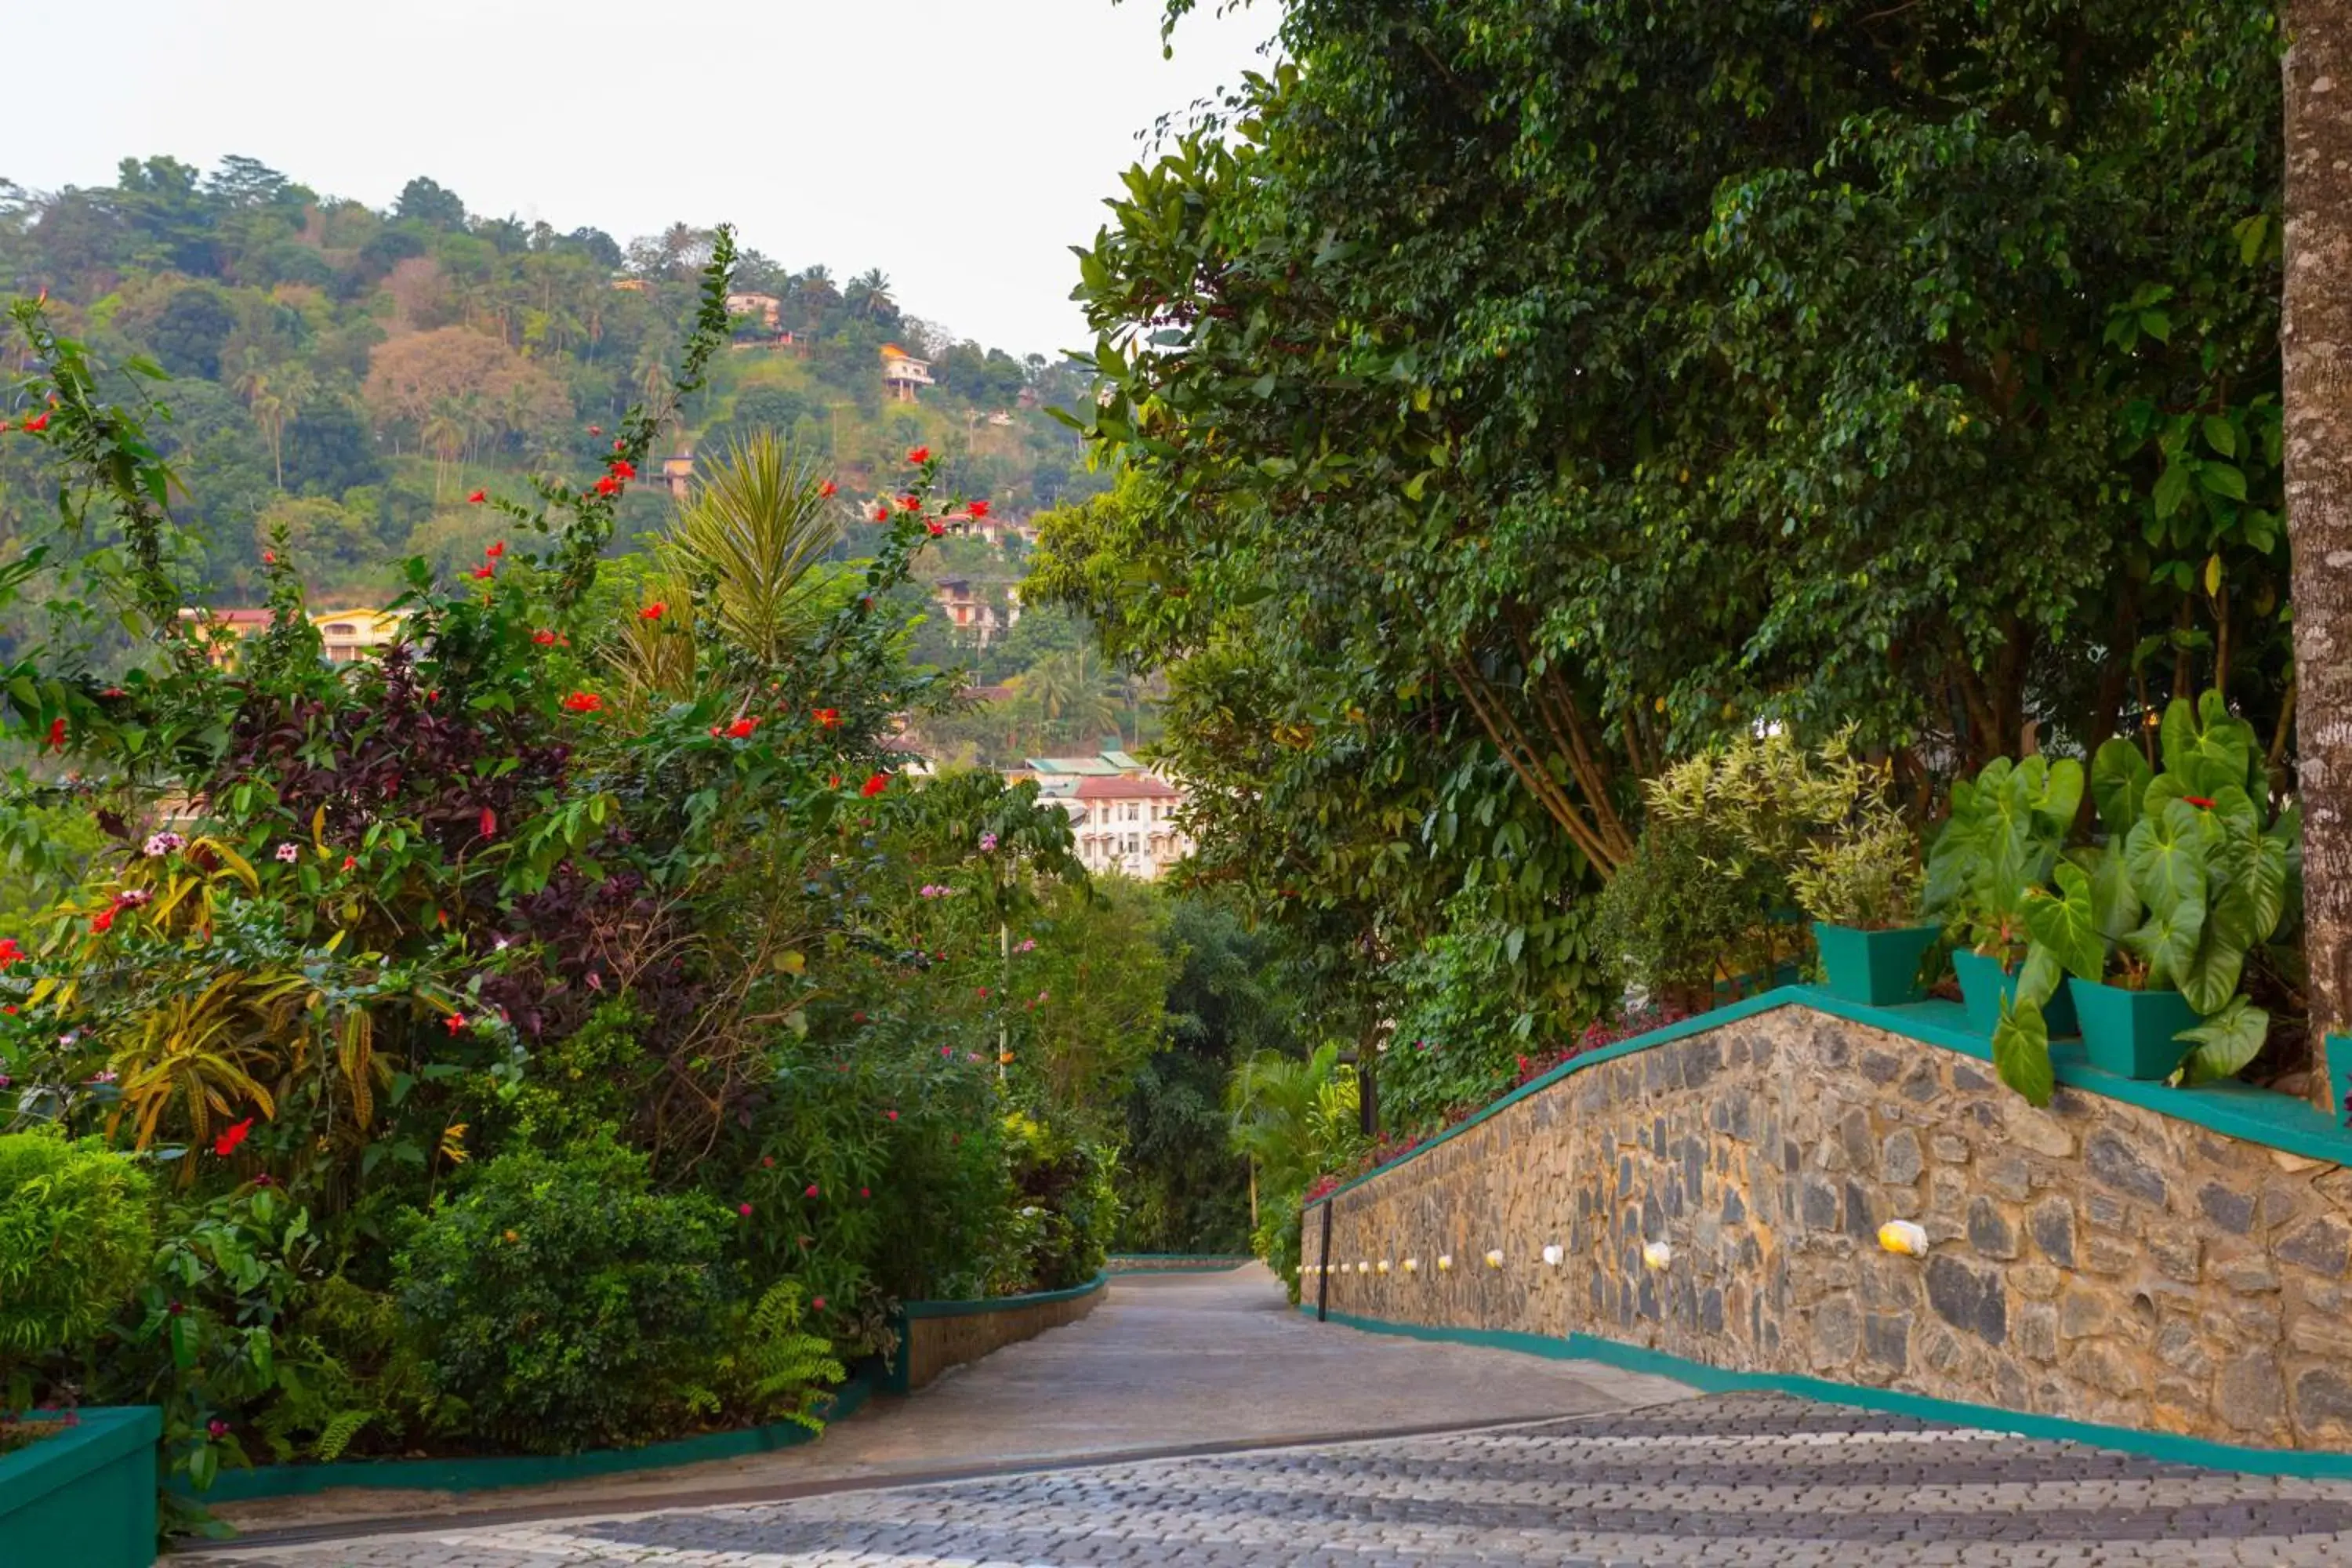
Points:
[[934, 1341], [2096, 1261]]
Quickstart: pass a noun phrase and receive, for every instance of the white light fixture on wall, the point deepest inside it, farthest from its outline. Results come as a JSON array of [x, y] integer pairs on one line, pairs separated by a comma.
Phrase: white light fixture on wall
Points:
[[1656, 1255], [1553, 1254]]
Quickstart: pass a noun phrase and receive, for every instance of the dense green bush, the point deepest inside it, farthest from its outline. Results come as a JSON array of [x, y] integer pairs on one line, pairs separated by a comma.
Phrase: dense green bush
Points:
[[1069, 1207], [75, 1240], [561, 1300], [1686, 910]]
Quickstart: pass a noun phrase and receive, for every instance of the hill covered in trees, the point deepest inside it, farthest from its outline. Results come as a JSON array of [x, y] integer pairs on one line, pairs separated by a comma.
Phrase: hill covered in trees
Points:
[[356, 375]]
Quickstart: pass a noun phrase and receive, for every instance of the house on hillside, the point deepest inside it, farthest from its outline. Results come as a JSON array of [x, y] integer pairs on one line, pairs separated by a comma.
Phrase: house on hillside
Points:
[[677, 473], [972, 613], [902, 373], [765, 308], [346, 635], [350, 635], [1126, 822]]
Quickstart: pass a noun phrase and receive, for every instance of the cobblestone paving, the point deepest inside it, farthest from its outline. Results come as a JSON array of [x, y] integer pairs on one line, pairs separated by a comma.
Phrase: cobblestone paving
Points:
[[1737, 1479]]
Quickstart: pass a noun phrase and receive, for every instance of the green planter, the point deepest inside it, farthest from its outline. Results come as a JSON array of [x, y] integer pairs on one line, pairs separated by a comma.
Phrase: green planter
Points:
[[2129, 1033], [1984, 985], [86, 1496], [1876, 968]]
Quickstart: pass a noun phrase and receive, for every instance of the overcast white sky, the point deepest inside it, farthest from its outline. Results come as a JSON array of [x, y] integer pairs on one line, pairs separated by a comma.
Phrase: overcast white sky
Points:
[[959, 145]]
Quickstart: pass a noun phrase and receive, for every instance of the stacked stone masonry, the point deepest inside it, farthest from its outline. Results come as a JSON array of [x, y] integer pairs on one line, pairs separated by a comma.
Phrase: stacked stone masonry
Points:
[[2094, 1261]]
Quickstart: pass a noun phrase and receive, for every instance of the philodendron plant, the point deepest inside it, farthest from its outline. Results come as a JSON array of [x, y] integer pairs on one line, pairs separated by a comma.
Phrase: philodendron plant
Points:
[[2194, 874], [2001, 843]]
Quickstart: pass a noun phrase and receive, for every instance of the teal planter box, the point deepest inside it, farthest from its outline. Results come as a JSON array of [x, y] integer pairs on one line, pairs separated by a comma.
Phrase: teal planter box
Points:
[[2339, 1073], [87, 1496], [2129, 1033], [1984, 985], [1876, 968]]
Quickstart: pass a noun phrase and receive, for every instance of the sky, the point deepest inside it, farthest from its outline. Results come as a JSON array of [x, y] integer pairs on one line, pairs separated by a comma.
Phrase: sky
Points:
[[962, 146]]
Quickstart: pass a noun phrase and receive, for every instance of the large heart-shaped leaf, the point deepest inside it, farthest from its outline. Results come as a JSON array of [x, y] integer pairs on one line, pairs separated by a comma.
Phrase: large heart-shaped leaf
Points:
[[2058, 797], [2119, 777], [2225, 1042], [2167, 855], [2206, 747], [2114, 906], [2020, 1052], [2210, 978], [2064, 924], [2168, 942]]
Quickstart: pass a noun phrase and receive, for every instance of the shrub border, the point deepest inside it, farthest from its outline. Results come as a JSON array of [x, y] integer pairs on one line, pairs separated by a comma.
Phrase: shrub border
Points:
[[2238, 1110], [2170, 1447], [492, 1471], [974, 1307]]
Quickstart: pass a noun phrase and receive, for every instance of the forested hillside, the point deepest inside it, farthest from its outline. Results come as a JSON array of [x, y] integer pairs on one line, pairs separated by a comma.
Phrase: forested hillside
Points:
[[357, 374]]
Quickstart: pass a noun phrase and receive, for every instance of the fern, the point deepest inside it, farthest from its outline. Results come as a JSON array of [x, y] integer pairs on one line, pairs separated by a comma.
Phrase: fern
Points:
[[776, 1368], [339, 1433]]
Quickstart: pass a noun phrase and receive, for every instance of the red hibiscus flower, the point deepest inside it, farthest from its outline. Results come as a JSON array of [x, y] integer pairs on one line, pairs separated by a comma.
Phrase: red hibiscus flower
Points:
[[484, 572], [653, 612], [478, 497], [350, 862], [454, 1023], [2199, 800], [937, 528], [103, 921], [489, 822], [622, 468], [919, 455], [10, 954], [542, 638], [56, 736], [978, 508], [829, 718], [37, 424], [496, 549], [826, 489], [881, 513], [582, 702], [269, 558], [875, 784], [608, 485], [226, 1145], [741, 729], [910, 503]]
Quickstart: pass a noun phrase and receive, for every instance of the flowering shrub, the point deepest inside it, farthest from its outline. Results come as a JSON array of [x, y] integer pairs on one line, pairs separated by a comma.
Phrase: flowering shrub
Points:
[[578, 940]]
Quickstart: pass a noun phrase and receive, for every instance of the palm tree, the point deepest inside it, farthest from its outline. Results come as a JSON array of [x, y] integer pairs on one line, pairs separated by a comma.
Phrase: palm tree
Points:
[[741, 551], [868, 295], [1293, 1118], [2317, 321], [443, 433]]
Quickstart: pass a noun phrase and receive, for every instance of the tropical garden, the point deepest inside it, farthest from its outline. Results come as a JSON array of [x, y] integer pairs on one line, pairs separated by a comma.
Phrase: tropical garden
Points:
[[582, 1022]]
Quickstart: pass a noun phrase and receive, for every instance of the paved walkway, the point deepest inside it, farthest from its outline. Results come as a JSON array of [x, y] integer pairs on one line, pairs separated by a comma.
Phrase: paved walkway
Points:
[[1647, 1476], [1167, 1364]]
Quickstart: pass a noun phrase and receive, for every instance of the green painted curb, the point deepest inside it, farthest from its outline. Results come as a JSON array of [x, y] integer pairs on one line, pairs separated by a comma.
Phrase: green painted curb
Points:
[[2241, 1110], [1173, 1263], [86, 1496], [2164, 1446], [485, 1474]]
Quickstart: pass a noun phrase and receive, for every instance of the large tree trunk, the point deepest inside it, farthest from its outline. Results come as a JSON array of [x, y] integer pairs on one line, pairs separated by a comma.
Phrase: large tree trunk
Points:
[[2315, 336]]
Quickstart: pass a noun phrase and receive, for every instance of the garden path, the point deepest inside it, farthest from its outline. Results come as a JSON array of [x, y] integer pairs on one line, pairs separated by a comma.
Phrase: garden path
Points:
[[1170, 1364]]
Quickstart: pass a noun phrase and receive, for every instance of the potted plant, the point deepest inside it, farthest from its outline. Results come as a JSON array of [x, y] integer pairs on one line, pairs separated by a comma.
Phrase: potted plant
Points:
[[2001, 843], [1825, 823], [2149, 932]]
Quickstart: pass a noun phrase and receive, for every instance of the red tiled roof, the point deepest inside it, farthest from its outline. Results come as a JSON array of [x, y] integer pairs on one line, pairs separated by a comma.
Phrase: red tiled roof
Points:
[[1142, 787]]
